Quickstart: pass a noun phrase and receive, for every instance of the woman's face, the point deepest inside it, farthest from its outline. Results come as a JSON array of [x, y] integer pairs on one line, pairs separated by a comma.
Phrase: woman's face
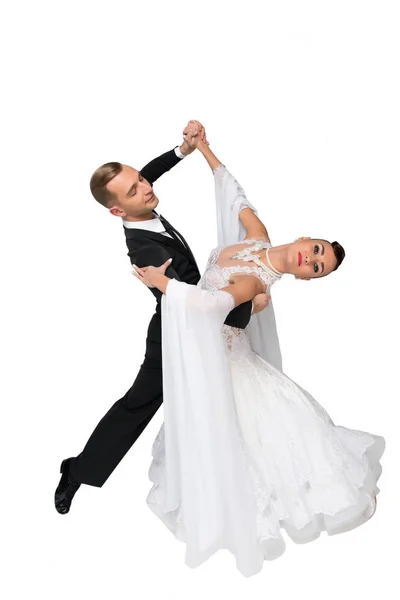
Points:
[[310, 258]]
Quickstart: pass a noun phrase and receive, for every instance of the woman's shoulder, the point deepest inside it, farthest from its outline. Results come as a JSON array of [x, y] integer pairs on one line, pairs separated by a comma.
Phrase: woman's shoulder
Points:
[[253, 244], [262, 240]]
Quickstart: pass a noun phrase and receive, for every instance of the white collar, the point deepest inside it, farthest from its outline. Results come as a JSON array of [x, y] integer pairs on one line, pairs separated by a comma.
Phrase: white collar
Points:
[[153, 224]]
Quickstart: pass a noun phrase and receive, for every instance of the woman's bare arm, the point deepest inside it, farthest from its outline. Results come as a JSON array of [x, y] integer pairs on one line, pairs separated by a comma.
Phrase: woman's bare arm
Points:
[[255, 228], [244, 288], [210, 157]]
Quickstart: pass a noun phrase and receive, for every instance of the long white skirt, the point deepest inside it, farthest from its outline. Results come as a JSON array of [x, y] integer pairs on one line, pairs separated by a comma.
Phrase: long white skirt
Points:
[[299, 472]]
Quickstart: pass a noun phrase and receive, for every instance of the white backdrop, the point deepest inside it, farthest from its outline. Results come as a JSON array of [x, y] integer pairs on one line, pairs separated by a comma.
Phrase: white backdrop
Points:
[[300, 101]]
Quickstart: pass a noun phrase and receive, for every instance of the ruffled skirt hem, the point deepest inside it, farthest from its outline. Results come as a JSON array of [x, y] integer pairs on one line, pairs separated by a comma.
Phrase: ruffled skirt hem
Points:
[[348, 507]]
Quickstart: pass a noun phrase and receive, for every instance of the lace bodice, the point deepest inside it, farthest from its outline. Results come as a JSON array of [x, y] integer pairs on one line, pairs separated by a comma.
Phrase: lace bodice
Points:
[[217, 276]]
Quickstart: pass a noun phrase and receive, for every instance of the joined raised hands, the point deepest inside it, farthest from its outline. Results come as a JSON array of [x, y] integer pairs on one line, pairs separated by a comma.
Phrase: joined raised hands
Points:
[[193, 134]]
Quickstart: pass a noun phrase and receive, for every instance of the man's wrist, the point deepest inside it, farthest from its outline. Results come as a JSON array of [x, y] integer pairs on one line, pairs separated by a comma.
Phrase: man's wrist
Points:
[[179, 152], [183, 150]]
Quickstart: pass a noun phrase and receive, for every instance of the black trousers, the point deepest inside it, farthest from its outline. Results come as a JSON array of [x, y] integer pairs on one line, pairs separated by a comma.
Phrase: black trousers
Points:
[[127, 418]]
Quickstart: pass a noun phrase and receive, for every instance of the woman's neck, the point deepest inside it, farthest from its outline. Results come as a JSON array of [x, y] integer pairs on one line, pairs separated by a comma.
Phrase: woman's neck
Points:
[[278, 257]]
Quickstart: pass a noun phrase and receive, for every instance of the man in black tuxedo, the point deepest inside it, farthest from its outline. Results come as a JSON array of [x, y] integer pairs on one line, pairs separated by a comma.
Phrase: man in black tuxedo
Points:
[[151, 240]]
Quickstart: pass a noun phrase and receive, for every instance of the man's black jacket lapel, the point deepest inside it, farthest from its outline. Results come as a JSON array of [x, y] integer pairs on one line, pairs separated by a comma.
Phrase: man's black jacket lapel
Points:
[[143, 234]]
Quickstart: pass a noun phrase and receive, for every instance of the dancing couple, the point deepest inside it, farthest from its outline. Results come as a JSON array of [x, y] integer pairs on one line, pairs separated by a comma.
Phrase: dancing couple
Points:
[[243, 451]]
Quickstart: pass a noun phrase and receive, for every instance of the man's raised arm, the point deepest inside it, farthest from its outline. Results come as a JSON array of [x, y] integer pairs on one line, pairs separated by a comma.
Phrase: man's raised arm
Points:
[[163, 163]]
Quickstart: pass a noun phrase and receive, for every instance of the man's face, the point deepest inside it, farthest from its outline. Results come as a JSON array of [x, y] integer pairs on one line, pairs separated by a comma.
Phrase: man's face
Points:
[[135, 196]]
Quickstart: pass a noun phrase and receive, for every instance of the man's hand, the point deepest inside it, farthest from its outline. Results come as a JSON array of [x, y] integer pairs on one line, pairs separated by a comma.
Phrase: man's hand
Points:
[[260, 302], [193, 132]]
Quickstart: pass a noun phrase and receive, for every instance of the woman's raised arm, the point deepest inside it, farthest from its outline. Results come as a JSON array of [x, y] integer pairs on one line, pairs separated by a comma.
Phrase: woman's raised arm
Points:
[[255, 228], [197, 142]]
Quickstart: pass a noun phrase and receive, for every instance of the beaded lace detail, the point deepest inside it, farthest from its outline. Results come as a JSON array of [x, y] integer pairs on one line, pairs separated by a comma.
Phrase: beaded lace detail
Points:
[[216, 277]]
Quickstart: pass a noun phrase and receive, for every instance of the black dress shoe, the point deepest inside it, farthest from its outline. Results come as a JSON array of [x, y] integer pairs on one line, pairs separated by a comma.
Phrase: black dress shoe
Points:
[[66, 489]]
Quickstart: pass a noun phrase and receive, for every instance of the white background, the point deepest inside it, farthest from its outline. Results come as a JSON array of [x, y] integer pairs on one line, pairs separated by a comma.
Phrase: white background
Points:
[[301, 102]]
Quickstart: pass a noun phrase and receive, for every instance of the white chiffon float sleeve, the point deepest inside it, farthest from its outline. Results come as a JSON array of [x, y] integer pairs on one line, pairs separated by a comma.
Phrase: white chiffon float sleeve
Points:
[[205, 463], [230, 200]]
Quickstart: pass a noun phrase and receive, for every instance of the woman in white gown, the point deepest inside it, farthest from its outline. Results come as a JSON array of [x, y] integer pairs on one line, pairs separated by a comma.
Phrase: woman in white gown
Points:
[[243, 450]]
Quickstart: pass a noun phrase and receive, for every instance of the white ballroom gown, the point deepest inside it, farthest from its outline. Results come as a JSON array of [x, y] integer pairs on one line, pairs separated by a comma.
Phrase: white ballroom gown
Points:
[[244, 451]]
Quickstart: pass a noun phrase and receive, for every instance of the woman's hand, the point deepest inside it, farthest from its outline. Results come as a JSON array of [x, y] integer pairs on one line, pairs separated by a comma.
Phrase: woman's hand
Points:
[[150, 276], [260, 302]]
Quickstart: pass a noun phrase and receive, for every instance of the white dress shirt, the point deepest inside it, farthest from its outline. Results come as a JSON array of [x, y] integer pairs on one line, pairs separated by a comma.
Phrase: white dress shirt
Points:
[[179, 153], [153, 224]]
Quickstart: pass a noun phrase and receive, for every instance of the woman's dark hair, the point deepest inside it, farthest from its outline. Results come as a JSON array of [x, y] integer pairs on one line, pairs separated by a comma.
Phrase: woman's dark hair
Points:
[[339, 252]]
